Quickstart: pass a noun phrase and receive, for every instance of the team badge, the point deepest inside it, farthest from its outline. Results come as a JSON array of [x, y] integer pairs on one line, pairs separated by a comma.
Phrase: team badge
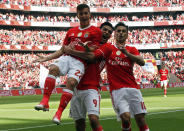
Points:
[[86, 34], [80, 34], [118, 52], [72, 34]]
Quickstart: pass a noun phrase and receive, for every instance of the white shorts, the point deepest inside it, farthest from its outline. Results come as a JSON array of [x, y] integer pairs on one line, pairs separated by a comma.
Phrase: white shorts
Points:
[[163, 83], [70, 66], [128, 100], [83, 102]]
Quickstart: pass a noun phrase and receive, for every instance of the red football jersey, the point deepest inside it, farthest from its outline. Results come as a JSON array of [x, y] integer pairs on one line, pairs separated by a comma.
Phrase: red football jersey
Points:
[[163, 74], [76, 35], [119, 66], [91, 78]]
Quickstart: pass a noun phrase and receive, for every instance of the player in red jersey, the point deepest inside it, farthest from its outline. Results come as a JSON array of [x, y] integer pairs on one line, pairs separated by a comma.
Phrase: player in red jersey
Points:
[[86, 99], [164, 76], [72, 66], [120, 58]]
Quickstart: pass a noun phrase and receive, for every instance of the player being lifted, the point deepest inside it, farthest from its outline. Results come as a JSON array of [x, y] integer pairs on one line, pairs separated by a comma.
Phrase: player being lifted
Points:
[[120, 58], [86, 99], [164, 76], [68, 65]]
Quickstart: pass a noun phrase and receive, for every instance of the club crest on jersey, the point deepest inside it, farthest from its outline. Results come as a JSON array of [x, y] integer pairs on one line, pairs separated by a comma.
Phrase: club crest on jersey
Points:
[[72, 34], [86, 34], [79, 34], [118, 52]]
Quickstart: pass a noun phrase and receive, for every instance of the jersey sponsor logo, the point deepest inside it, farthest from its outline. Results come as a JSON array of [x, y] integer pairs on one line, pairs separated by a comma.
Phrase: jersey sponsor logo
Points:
[[122, 63], [79, 34]]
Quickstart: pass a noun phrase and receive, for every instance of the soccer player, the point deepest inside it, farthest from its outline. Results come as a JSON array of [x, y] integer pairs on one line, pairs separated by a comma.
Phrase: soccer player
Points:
[[164, 76], [120, 58], [68, 65], [86, 99]]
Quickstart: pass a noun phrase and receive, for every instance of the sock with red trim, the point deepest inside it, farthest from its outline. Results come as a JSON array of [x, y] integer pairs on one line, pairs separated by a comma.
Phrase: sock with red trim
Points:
[[144, 128], [65, 99], [98, 129], [48, 88]]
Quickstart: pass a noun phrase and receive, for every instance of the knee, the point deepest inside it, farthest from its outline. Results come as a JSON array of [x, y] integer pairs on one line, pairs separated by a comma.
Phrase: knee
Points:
[[94, 121], [54, 70], [71, 83], [140, 119], [125, 116]]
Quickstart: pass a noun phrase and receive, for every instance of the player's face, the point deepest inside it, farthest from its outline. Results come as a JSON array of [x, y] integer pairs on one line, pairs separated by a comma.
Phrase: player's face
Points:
[[121, 34], [84, 15], [106, 33]]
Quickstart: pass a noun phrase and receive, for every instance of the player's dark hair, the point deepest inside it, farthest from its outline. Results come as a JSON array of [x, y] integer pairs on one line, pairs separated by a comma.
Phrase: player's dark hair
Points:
[[82, 6], [108, 24], [121, 24]]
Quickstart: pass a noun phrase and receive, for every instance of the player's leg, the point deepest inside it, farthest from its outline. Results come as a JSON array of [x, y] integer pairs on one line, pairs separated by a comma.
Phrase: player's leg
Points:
[[65, 98], [162, 84], [165, 88], [78, 111], [138, 108], [94, 122], [126, 123], [141, 122], [92, 103], [76, 70], [121, 107], [48, 88], [80, 125]]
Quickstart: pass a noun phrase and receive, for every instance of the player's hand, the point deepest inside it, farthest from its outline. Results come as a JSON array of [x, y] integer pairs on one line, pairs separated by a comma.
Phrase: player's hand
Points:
[[67, 49], [40, 59], [122, 48], [86, 45]]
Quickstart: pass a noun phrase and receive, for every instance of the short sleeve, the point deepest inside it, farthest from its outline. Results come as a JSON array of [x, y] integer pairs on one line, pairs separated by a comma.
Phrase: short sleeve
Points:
[[134, 51]]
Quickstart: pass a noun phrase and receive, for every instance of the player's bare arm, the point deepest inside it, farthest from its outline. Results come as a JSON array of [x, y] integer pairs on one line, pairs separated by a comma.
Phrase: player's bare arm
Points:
[[50, 57], [89, 56], [136, 58]]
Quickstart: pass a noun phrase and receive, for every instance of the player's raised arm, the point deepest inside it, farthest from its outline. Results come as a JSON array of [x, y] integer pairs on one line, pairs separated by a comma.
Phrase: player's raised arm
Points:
[[134, 56], [50, 57]]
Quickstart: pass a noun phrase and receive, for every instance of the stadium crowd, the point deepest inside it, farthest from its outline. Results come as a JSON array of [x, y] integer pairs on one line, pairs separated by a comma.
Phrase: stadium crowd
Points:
[[96, 3], [46, 38], [94, 19], [175, 61], [17, 70]]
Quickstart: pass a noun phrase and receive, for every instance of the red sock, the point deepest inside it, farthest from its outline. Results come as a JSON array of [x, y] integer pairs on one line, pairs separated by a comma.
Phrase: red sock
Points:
[[126, 127], [65, 99], [165, 91], [144, 128], [48, 88], [100, 128]]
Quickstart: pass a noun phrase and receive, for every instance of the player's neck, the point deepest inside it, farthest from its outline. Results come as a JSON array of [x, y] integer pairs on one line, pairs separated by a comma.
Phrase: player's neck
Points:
[[84, 24], [120, 43]]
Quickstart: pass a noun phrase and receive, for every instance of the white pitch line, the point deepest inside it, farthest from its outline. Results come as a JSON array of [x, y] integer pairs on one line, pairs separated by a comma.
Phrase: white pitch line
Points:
[[151, 108], [68, 123]]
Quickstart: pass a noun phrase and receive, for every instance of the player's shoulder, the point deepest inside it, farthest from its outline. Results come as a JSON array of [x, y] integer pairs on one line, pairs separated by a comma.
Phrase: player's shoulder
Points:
[[130, 47], [73, 28], [94, 28]]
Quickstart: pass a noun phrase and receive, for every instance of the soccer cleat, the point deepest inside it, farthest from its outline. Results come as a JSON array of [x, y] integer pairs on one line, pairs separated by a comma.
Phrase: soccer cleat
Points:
[[165, 96], [56, 120], [42, 107]]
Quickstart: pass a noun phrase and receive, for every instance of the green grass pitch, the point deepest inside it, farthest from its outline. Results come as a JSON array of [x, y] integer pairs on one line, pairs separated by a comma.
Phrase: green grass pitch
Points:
[[164, 114]]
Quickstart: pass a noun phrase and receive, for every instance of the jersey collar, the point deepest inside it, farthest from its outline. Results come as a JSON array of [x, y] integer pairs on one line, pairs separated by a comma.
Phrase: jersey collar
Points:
[[84, 28]]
